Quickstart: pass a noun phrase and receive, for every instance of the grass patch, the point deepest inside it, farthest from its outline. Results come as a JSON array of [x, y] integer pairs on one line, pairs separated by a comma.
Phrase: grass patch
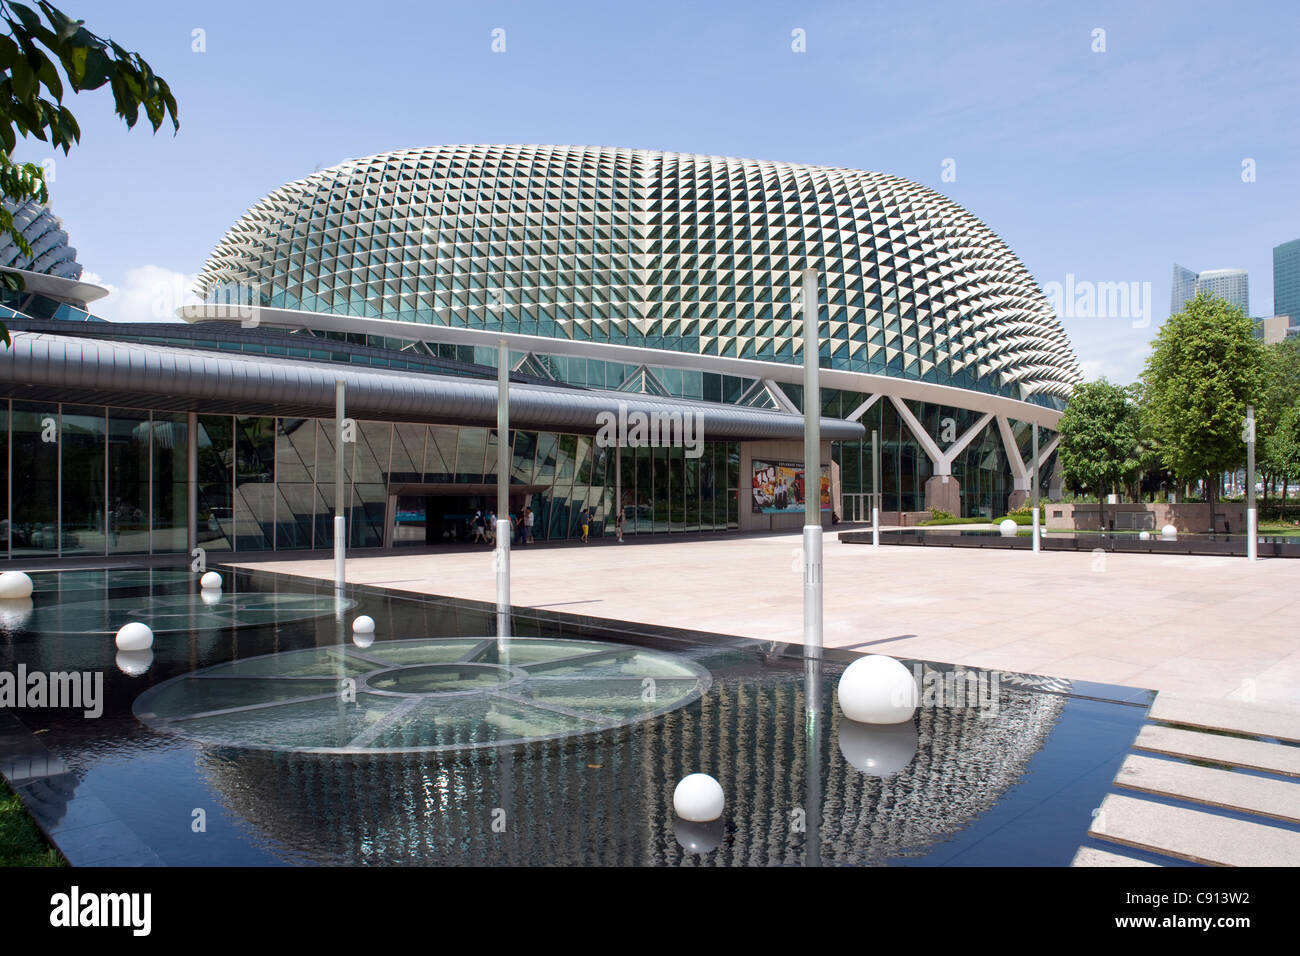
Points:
[[21, 840]]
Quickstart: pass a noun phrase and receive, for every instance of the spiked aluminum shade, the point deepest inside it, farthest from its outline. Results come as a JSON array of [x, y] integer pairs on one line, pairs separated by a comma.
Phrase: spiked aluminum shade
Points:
[[687, 253]]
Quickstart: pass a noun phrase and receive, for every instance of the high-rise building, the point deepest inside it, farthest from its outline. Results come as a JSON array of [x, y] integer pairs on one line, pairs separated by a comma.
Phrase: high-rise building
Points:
[[1286, 280], [1184, 288], [1232, 285]]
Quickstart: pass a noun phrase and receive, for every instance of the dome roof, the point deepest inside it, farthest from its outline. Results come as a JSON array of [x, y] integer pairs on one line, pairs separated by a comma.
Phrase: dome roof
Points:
[[689, 253]]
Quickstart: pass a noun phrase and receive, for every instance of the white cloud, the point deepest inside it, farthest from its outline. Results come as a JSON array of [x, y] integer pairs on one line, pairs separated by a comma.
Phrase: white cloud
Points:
[[146, 294]]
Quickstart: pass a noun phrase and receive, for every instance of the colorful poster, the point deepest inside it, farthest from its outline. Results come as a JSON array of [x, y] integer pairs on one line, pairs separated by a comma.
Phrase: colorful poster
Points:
[[778, 487]]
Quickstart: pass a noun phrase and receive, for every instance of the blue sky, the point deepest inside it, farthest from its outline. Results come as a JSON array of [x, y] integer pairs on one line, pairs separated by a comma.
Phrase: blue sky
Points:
[[1107, 166]]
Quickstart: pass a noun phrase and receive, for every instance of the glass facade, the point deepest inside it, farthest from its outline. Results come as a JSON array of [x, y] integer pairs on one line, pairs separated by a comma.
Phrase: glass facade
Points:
[[115, 481]]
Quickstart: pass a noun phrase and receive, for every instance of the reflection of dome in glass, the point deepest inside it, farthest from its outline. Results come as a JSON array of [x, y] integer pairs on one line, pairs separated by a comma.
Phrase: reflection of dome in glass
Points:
[[689, 253], [430, 695], [606, 798]]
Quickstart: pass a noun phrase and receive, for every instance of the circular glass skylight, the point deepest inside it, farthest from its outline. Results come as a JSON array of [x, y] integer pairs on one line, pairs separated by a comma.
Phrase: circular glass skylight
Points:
[[437, 694]]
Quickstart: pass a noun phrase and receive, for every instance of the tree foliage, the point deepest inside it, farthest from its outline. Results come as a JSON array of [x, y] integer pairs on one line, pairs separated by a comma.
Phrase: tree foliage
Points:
[[1205, 367], [1099, 437], [41, 60]]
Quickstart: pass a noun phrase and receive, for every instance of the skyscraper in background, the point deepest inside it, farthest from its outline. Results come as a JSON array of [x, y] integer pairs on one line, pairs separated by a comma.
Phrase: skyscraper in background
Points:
[[1232, 285], [1184, 288], [1286, 280]]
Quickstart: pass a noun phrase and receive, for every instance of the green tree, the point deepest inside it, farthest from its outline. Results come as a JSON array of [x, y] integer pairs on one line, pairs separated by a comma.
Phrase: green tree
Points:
[[1099, 439], [38, 60], [1284, 448], [1281, 385], [1205, 367]]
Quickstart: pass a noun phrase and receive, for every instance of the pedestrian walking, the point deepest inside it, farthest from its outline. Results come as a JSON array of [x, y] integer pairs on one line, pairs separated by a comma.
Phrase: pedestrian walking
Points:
[[528, 525], [619, 521], [585, 518]]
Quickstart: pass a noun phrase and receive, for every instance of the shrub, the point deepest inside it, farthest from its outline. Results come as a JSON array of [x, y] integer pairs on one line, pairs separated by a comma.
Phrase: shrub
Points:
[[938, 514]]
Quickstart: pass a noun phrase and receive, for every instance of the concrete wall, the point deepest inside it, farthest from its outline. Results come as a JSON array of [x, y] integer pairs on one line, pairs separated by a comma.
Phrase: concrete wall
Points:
[[778, 451], [1189, 516]]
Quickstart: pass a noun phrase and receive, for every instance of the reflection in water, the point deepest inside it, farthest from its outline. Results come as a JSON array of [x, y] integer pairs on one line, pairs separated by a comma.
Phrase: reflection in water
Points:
[[606, 799]]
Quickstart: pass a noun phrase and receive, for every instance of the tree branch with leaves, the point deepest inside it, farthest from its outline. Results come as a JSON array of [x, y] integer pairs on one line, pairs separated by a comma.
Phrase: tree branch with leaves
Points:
[[43, 56]]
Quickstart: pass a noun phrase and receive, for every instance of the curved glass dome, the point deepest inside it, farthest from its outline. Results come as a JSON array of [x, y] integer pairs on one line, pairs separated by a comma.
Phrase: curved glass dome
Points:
[[698, 254]]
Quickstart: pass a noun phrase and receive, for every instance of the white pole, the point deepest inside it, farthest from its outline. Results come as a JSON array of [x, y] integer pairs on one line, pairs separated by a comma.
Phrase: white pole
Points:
[[340, 522], [1033, 487], [875, 488], [503, 529], [812, 484], [1252, 517]]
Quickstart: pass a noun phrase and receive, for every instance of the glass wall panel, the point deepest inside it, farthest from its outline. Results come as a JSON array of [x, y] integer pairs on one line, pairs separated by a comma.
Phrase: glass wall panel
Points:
[[254, 483], [128, 481], [216, 503], [691, 493], [521, 466], [470, 453], [661, 490], [677, 488], [4, 478], [83, 455], [408, 453], [171, 500], [295, 457], [733, 484], [34, 456], [641, 518], [325, 498]]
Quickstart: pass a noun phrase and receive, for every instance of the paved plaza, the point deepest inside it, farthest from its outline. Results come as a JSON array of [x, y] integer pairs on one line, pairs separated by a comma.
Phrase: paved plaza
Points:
[[1201, 627]]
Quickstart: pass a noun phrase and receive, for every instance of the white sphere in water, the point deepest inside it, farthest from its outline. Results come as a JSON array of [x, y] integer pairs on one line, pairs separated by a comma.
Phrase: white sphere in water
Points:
[[365, 624], [134, 663], [1169, 532], [14, 586], [1008, 527], [875, 750], [135, 636], [210, 581], [1144, 535], [878, 690], [698, 798], [698, 838], [363, 639], [210, 595]]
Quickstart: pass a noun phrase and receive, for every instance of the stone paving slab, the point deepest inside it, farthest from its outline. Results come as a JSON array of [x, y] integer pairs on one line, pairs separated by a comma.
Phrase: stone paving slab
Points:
[[1219, 788], [1087, 856], [1230, 751], [1223, 715], [1193, 834]]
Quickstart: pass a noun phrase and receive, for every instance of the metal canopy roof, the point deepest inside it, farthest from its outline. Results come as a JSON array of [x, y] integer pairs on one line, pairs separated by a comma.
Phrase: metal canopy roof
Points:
[[65, 368]]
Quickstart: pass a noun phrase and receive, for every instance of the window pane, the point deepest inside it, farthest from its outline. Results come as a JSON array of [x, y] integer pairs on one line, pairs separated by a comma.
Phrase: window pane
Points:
[[35, 462], [128, 480], [83, 449], [170, 482]]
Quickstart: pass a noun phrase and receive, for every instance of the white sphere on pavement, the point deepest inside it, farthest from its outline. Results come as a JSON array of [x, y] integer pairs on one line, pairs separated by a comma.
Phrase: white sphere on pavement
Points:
[[698, 798], [135, 636], [210, 581], [1008, 527], [878, 690], [879, 751], [14, 586], [134, 663], [1169, 532], [1144, 535]]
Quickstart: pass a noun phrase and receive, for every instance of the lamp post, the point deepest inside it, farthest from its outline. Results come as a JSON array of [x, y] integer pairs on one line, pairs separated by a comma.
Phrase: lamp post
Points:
[[875, 488], [1033, 485], [1252, 517], [503, 528], [340, 522], [812, 524]]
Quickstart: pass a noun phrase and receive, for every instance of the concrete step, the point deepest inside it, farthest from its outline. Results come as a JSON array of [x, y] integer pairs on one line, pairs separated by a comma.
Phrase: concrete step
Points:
[[1230, 751], [1226, 715], [1087, 856], [1279, 799], [1193, 834]]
